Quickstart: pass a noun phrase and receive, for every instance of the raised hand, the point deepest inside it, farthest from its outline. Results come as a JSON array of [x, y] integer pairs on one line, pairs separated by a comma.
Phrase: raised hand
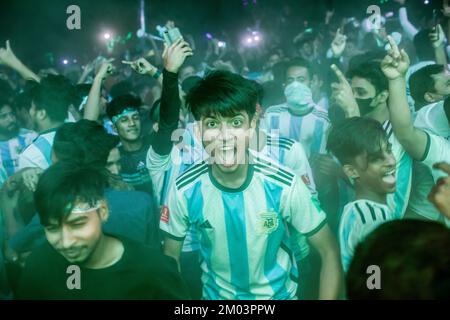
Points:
[[342, 94], [175, 55], [105, 68], [30, 177], [7, 56], [142, 66], [396, 63], [338, 44], [437, 37]]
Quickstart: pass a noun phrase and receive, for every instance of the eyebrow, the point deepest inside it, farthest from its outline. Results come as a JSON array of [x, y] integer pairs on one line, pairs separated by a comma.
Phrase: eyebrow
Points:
[[77, 219]]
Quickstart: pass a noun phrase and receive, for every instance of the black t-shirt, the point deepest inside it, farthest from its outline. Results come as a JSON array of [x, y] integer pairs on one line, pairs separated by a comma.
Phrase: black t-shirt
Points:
[[141, 273], [134, 168]]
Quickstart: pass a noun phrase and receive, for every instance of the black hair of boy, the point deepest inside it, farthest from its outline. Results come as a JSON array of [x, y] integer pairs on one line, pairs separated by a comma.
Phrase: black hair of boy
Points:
[[412, 256], [355, 136], [222, 93]]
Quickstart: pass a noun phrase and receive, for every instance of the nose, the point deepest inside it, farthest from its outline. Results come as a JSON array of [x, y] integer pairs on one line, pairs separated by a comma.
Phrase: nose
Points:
[[390, 160], [67, 238], [225, 134]]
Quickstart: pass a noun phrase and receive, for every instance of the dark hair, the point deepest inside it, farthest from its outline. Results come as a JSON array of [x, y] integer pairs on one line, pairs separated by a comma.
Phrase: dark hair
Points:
[[6, 92], [412, 256], [371, 72], [447, 108], [23, 99], [119, 104], [423, 46], [355, 136], [84, 143], [299, 62], [223, 93], [375, 56], [62, 185], [53, 94], [422, 82]]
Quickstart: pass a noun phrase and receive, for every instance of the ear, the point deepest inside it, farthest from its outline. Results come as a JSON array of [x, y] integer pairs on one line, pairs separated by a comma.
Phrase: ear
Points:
[[41, 114], [103, 211], [383, 96], [114, 128], [350, 171], [429, 97]]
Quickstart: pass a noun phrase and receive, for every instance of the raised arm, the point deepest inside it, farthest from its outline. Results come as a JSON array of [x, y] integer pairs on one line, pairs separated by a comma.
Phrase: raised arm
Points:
[[92, 108], [342, 94], [174, 57], [438, 41], [9, 59], [394, 66]]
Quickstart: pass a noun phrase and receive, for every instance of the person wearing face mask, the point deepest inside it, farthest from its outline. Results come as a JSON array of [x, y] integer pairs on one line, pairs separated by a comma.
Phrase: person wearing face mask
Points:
[[366, 95], [299, 118]]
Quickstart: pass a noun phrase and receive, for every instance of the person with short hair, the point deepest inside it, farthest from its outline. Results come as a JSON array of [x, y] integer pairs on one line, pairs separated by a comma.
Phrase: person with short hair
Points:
[[110, 267], [365, 153], [241, 203], [50, 104]]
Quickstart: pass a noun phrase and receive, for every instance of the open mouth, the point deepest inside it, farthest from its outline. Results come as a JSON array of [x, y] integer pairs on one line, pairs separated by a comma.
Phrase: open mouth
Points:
[[226, 156], [389, 177]]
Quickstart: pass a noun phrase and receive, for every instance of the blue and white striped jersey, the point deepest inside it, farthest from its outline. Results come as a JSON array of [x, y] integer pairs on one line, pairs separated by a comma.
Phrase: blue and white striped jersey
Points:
[[359, 218], [244, 243], [310, 130], [10, 150], [39, 153]]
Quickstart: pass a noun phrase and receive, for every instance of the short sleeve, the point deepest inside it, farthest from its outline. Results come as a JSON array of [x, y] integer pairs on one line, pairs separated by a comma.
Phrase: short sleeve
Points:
[[302, 210], [174, 221], [438, 150]]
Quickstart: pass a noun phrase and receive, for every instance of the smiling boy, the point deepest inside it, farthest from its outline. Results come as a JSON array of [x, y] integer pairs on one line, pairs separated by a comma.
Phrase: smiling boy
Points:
[[241, 204], [362, 147]]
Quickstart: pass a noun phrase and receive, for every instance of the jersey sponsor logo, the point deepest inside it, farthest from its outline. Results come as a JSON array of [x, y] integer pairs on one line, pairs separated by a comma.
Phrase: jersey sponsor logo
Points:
[[268, 222], [306, 179], [165, 216]]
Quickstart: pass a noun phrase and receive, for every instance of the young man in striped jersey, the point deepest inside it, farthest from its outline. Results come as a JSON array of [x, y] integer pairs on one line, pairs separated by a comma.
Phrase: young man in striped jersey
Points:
[[299, 118], [50, 104], [242, 204], [12, 138], [365, 153]]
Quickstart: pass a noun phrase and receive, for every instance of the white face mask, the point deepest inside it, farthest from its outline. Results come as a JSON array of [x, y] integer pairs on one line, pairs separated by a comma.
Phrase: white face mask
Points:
[[299, 97]]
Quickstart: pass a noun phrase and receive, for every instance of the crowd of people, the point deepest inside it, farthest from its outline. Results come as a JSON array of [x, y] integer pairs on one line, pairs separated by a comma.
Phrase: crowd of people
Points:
[[285, 170]]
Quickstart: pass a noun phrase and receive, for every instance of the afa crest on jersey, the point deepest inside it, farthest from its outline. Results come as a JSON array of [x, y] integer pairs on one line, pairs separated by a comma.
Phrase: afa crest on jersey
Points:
[[268, 222]]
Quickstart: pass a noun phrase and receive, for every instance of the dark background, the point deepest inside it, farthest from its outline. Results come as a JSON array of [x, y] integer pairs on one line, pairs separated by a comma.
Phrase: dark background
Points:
[[38, 27]]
